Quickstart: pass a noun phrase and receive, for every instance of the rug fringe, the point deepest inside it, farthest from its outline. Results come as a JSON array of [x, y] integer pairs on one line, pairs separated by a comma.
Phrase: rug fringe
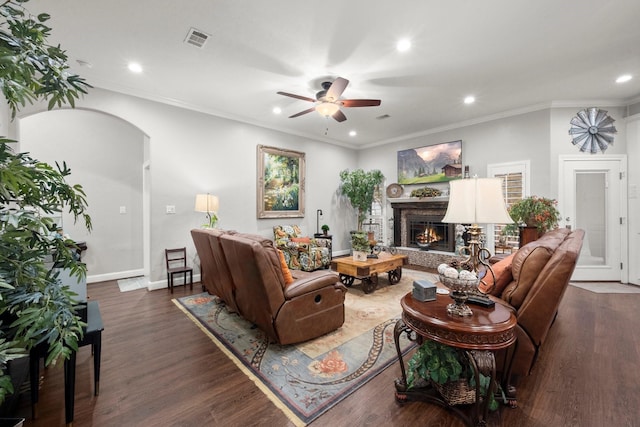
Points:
[[272, 397]]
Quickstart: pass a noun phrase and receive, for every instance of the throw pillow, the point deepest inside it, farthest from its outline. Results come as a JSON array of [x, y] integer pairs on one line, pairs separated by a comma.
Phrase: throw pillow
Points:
[[301, 239], [502, 271], [288, 278]]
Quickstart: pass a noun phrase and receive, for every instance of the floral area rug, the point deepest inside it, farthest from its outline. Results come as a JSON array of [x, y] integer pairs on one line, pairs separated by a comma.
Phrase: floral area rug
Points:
[[307, 379]]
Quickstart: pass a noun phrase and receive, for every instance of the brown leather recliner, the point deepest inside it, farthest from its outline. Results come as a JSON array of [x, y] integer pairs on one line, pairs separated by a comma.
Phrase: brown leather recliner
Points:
[[311, 306], [214, 271], [541, 271]]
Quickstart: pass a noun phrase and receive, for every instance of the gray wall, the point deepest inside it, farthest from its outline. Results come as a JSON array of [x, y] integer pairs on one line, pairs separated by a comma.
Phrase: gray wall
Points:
[[192, 152], [521, 137], [105, 155]]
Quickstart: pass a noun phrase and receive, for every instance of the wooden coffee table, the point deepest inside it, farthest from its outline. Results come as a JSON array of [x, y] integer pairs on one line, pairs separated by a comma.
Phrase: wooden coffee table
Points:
[[367, 271]]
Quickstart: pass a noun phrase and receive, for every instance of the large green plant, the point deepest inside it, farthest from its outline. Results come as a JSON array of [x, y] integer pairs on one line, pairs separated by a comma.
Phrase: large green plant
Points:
[[359, 187], [34, 308]]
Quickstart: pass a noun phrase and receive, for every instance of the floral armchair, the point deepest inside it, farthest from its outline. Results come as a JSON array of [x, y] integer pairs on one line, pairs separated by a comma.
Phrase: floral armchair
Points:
[[302, 252]]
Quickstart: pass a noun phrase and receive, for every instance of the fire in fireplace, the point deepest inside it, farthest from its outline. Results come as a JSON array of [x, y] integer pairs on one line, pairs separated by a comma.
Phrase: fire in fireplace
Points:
[[417, 223], [425, 233]]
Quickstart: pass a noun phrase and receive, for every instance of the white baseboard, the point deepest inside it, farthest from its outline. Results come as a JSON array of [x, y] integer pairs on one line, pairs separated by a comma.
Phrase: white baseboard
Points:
[[152, 286], [114, 276], [162, 284], [343, 252]]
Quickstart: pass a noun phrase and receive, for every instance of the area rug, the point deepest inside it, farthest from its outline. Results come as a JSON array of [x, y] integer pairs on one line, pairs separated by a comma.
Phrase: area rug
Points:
[[307, 379]]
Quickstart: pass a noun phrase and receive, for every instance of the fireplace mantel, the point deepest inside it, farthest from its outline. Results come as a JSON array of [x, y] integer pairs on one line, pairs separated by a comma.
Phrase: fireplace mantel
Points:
[[401, 202]]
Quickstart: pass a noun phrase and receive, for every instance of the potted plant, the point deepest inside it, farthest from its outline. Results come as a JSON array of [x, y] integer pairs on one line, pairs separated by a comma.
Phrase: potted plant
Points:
[[360, 246], [360, 187], [325, 229], [446, 369], [533, 216], [34, 307], [535, 211]]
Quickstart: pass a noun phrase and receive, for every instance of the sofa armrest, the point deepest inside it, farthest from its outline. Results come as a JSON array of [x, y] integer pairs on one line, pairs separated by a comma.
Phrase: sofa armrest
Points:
[[312, 282]]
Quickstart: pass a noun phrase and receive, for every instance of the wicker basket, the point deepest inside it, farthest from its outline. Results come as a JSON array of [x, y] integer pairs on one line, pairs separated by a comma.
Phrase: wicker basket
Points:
[[456, 392]]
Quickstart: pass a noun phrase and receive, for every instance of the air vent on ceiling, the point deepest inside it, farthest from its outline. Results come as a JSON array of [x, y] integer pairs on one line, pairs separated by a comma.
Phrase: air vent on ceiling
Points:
[[196, 38], [382, 117]]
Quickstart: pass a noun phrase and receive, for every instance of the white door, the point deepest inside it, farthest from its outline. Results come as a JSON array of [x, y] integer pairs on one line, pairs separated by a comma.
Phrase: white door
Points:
[[593, 198]]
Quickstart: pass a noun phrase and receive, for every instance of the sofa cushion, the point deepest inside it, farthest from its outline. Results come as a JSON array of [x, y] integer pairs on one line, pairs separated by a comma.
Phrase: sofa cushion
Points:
[[503, 276], [527, 263], [288, 278]]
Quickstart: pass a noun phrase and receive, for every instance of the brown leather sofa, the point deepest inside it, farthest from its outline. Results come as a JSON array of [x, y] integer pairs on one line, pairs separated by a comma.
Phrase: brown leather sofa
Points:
[[245, 272], [540, 273]]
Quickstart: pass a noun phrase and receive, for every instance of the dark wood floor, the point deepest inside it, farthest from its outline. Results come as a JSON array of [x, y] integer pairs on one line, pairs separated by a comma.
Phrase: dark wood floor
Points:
[[159, 369]]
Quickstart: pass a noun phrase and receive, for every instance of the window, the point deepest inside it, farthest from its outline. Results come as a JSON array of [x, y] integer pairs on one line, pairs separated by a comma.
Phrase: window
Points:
[[515, 186]]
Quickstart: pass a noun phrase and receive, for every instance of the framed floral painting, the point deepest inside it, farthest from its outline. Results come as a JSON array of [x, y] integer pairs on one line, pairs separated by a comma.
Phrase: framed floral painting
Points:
[[280, 183]]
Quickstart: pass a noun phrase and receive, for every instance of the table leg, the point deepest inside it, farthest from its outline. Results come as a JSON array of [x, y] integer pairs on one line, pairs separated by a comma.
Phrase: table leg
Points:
[[483, 362], [34, 374], [69, 387], [397, 332], [97, 348]]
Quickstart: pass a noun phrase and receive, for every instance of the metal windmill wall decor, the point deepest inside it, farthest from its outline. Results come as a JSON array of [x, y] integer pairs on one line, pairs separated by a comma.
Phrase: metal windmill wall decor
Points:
[[592, 129]]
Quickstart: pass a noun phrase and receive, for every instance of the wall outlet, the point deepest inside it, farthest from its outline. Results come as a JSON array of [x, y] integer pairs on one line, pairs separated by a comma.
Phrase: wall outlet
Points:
[[123, 209], [171, 209]]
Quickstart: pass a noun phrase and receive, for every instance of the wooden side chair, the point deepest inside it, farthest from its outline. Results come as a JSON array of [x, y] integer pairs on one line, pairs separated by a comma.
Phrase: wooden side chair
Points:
[[177, 264]]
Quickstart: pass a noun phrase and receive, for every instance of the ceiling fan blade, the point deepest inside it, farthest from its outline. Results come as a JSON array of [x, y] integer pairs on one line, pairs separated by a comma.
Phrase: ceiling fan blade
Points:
[[360, 102], [304, 98], [303, 112], [339, 116], [337, 87]]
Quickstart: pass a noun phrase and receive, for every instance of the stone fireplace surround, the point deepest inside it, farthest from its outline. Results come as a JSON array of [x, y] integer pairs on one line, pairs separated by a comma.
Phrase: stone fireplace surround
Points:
[[433, 207]]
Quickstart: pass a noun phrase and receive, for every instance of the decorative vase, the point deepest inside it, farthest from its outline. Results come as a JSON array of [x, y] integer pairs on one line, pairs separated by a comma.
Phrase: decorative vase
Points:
[[359, 256]]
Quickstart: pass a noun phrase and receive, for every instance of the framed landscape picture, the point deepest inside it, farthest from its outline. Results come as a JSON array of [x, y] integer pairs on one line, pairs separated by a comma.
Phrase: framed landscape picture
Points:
[[280, 183], [429, 164]]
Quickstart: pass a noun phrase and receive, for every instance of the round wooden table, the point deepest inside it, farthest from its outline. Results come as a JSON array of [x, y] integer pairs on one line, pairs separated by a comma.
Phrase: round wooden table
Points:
[[479, 335]]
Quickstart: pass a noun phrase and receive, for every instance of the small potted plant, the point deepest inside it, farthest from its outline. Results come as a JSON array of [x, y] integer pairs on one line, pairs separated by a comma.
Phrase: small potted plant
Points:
[[325, 229], [360, 246], [447, 370]]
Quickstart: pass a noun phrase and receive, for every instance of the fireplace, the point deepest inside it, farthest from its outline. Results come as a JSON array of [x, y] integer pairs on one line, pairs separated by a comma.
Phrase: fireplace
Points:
[[418, 224]]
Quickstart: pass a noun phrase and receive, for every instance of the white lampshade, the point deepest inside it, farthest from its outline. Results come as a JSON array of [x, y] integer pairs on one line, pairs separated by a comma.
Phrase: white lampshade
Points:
[[476, 201], [327, 108], [206, 203]]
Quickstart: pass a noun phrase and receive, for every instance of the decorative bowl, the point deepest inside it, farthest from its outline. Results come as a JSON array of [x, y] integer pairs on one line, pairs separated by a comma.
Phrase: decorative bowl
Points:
[[459, 294]]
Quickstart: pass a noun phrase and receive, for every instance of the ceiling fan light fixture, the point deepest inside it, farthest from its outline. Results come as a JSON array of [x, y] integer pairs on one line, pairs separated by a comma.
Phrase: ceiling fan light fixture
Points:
[[327, 108]]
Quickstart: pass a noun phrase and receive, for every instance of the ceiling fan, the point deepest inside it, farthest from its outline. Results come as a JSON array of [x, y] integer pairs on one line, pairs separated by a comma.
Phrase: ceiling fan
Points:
[[328, 102]]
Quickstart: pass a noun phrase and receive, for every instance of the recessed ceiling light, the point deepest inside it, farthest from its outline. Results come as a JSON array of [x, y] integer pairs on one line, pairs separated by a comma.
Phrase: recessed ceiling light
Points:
[[277, 110], [624, 78], [403, 45], [469, 100], [134, 67], [353, 133]]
